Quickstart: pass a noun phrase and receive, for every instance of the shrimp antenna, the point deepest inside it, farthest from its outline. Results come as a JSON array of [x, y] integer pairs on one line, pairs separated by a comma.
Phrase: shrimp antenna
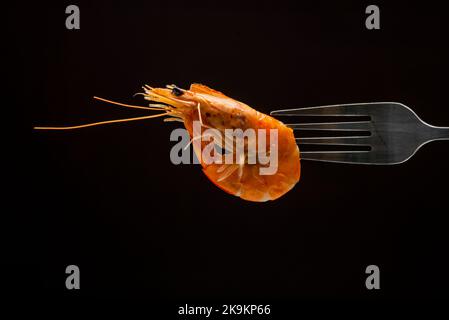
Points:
[[101, 122], [159, 108], [127, 105]]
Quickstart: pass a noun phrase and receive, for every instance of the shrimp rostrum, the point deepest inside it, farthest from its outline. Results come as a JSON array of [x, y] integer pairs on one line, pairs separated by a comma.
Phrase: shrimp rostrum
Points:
[[244, 152]]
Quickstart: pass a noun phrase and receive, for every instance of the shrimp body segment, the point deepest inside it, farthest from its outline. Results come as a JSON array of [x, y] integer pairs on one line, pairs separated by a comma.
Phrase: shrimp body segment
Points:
[[214, 110]]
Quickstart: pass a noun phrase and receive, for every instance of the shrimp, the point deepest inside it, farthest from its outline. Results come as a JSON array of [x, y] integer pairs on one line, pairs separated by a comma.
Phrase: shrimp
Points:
[[218, 112]]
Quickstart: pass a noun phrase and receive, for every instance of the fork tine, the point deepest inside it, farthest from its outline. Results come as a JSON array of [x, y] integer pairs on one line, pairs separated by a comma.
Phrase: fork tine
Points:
[[333, 126], [353, 109], [344, 141], [359, 157]]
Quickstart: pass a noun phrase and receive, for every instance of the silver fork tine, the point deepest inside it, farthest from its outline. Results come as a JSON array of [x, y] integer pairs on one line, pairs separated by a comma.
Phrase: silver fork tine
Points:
[[353, 109], [359, 157], [343, 141], [356, 109], [331, 126]]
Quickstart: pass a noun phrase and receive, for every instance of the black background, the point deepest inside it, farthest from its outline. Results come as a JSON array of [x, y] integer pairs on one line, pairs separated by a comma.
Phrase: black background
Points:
[[109, 200]]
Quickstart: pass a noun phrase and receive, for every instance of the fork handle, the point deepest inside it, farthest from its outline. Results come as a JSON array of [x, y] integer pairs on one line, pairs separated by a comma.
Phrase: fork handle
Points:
[[439, 133]]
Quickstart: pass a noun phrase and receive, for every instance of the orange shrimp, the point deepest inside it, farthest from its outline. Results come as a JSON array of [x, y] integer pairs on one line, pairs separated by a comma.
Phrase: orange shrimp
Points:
[[214, 110]]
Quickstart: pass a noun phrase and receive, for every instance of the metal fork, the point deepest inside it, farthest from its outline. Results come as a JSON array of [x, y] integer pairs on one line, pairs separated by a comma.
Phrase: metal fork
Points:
[[395, 132]]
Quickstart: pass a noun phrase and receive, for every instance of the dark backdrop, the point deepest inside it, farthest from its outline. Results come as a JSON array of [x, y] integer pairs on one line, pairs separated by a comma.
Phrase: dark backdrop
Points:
[[109, 200]]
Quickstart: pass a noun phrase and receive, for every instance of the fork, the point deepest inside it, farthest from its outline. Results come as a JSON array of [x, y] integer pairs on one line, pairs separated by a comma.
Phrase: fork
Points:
[[395, 132]]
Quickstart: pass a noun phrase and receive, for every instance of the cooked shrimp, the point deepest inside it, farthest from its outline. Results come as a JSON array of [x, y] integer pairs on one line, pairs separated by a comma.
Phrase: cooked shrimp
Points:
[[214, 110]]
